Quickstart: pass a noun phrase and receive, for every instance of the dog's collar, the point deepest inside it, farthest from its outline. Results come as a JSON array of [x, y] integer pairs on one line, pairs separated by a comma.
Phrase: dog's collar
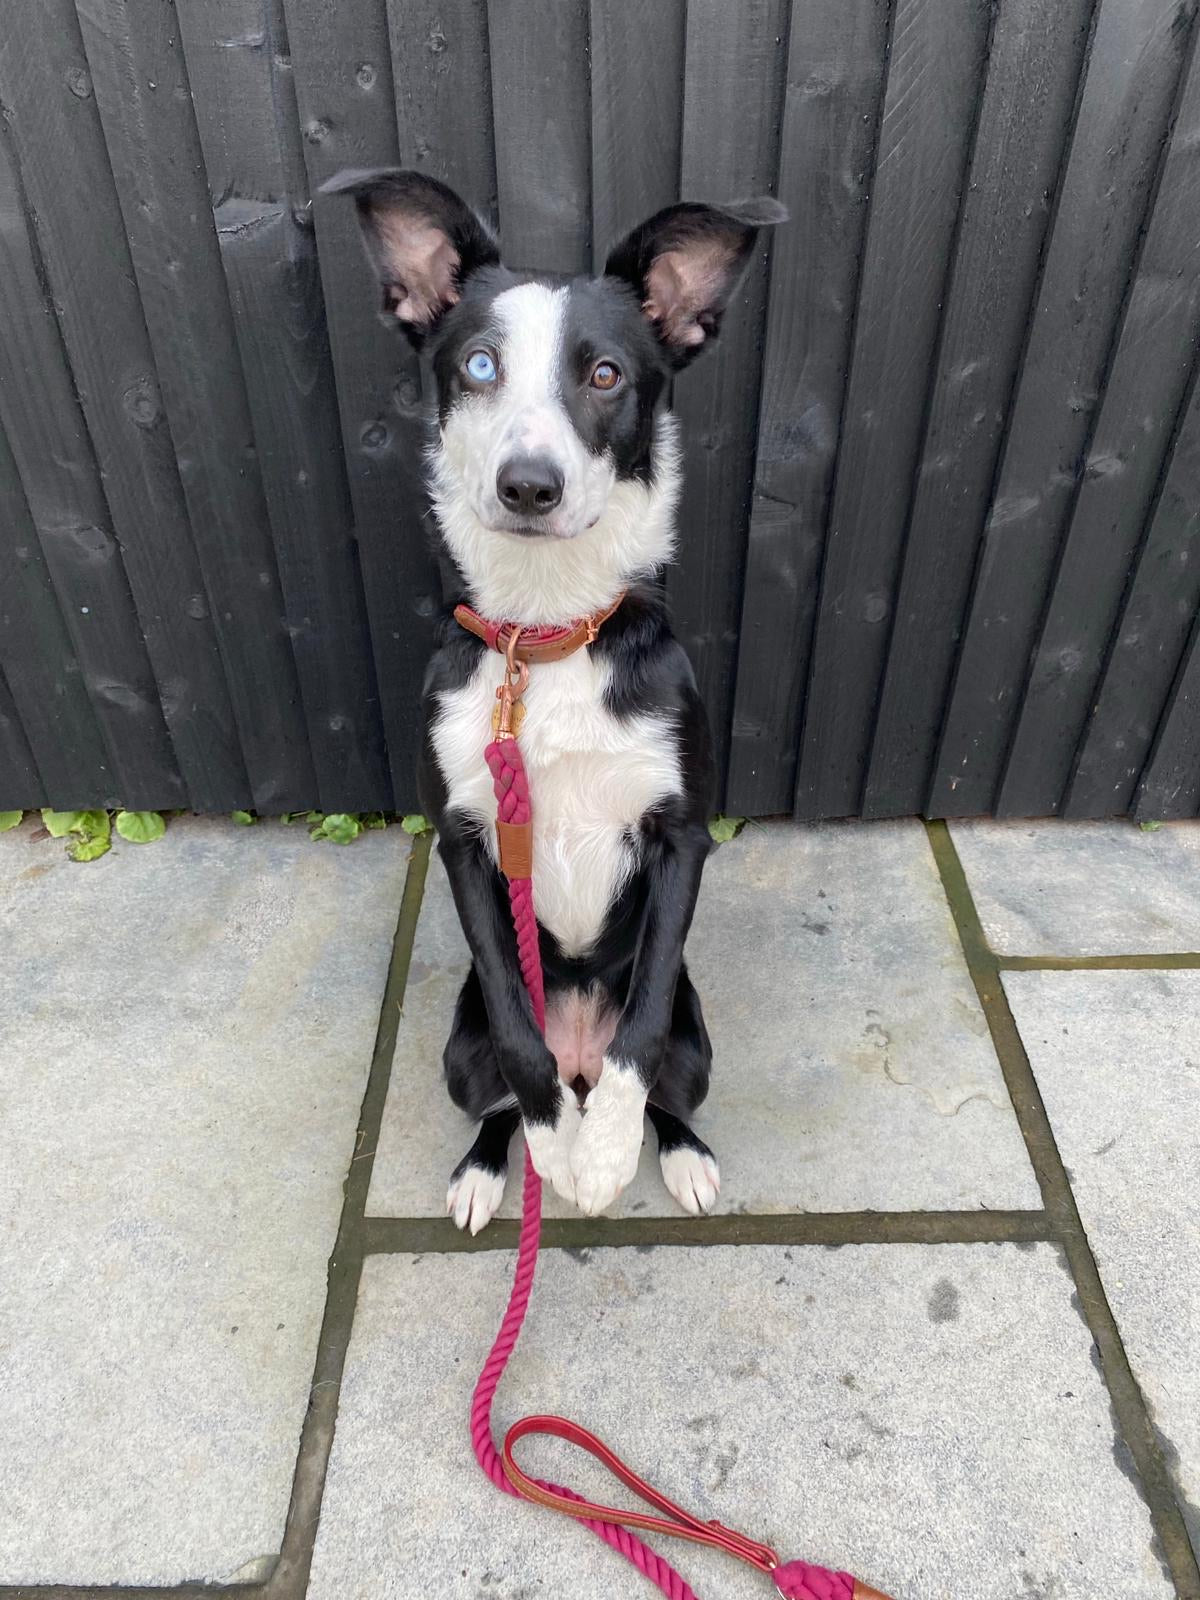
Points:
[[536, 644]]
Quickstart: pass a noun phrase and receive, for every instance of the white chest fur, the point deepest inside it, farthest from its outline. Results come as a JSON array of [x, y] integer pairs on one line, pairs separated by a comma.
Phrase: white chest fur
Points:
[[592, 777]]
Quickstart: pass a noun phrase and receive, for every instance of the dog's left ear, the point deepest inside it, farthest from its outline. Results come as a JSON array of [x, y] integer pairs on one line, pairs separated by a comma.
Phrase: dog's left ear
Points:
[[423, 240], [684, 264]]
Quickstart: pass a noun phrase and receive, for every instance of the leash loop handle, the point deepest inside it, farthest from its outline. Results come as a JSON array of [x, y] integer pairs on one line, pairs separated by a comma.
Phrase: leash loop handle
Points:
[[677, 1522]]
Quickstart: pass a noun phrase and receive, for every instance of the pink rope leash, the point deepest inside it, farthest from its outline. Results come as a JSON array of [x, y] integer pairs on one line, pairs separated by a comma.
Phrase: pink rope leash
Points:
[[795, 1581]]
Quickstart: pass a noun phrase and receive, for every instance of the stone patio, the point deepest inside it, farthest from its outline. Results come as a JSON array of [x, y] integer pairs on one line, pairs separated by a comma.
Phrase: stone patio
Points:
[[941, 1331]]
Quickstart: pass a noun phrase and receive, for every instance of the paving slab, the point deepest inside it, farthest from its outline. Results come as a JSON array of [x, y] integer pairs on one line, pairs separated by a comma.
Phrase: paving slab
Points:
[[1117, 1059], [853, 1066], [186, 1032], [1083, 888], [928, 1416]]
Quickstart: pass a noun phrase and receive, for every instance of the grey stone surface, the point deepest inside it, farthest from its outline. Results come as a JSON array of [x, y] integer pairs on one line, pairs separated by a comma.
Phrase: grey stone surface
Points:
[[927, 1416], [1083, 888], [853, 1065], [185, 1032], [1117, 1059]]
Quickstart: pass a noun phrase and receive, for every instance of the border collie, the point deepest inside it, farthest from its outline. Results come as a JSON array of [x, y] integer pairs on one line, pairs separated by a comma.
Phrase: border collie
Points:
[[555, 476]]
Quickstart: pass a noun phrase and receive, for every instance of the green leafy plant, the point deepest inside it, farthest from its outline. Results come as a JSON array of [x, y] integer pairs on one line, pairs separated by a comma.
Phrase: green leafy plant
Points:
[[93, 830], [248, 819], [339, 826], [723, 829], [140, 827], [1149, 827], [9, 819], [416, 824]]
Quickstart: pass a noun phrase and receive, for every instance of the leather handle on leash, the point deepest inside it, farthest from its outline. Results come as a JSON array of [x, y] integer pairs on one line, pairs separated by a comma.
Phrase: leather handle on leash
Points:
[[680, 1524]]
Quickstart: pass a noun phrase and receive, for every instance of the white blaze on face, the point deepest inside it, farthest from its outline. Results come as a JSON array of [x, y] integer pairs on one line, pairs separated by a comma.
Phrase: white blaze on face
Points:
[[526, 417]]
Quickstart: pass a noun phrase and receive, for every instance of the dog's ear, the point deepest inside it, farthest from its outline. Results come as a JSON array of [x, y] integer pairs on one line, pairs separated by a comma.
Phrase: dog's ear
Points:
[[423, 241], [684, 264]]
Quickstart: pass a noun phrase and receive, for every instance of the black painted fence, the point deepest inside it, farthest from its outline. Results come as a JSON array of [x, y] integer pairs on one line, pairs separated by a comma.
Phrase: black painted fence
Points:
[[941, 531]]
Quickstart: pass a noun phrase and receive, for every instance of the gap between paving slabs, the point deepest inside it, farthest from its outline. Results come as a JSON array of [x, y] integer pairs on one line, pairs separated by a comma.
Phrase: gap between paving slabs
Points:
[[1131, 1417], [359, 1235]]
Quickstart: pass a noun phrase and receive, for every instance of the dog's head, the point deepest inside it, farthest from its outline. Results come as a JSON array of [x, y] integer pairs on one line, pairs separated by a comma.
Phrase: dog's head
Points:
[[549, 389]]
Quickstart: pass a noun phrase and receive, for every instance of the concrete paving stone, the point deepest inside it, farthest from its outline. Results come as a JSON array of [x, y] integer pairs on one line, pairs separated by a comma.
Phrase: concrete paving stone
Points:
[[928, 1417], [186, 1032], [853, 1066], [1118, 1064], [1083, 888]]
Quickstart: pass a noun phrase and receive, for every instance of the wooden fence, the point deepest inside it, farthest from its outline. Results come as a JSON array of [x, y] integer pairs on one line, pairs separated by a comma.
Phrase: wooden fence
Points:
[[940, 533]]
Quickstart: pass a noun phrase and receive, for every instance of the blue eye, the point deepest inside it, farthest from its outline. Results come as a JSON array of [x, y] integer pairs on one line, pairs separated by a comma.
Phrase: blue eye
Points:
[[480, 367]]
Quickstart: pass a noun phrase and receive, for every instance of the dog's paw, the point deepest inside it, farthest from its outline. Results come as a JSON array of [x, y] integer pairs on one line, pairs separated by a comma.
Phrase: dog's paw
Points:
[[550, 1146], [692, 1177], [474, 1197], [604, 1158]]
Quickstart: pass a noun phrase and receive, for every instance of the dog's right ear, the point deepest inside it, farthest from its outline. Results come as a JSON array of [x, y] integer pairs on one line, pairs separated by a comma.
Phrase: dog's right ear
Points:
[[423, 241]]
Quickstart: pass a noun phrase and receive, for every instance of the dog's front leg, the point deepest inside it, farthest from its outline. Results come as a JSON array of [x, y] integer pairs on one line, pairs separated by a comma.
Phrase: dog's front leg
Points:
[[604, 1157], [549, 1110]]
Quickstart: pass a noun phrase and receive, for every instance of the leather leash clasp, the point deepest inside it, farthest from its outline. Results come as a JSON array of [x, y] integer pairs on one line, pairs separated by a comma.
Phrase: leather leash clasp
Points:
[[510, 713]]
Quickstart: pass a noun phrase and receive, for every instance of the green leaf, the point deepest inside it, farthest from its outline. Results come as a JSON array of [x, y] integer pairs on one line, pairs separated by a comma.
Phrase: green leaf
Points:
[[60, 823], [9, 819], [248, 819], [90, 847], [723, 829], [313, 816], [1149, 827], [415, 823], [140, 827], [340, 827], [374, 819]]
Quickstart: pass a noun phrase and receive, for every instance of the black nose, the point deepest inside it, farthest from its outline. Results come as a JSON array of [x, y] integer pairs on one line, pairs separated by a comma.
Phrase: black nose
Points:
[[530, 485]]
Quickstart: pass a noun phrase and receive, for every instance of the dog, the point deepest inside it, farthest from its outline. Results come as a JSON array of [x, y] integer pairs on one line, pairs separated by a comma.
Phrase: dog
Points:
[[555, 474]]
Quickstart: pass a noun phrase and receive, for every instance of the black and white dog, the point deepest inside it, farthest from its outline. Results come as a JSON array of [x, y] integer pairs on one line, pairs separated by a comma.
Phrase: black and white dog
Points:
[[555, 475]]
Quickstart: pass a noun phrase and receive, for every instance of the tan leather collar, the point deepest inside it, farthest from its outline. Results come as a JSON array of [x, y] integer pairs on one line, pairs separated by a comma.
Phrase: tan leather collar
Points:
[[535, 645]]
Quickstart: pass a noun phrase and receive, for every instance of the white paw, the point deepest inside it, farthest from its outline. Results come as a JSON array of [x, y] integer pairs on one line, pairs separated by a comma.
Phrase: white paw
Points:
[[605, 1155], [550, 1147], [694, 1179], [474, 1197]]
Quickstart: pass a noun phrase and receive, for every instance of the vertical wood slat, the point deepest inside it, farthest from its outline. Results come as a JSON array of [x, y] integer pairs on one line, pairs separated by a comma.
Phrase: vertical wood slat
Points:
[[830, 117], [735, 64], [135, 58], [1151, 637], [937, 55], [46, 84], [1032, 76], [239, 72], [1170, 786], [1143, 393], [53, 454], [441, 75], [20, 784], [1133, 67], [45, 683], [540, 99], [341, 61], [637, 56]]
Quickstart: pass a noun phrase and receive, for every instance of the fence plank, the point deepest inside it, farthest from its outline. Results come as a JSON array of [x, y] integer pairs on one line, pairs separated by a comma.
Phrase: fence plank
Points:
[[20, 785], [1134, 62], [46, 85], [40, 415], [732, 108], [239, 70], [830, 119], [340, 56], [441, 75], [637, 54], [539, 56], [1142, 398], [1150, 640], [1171, 784], [1032, 75], [43, 672], [937, 54], [142, 91]]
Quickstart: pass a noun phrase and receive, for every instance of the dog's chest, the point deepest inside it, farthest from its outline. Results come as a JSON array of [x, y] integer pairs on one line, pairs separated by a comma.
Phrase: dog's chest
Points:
[[592, 777]]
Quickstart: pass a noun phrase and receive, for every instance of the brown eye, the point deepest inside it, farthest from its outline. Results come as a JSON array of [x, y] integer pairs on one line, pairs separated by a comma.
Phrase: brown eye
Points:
[[605, 376]]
